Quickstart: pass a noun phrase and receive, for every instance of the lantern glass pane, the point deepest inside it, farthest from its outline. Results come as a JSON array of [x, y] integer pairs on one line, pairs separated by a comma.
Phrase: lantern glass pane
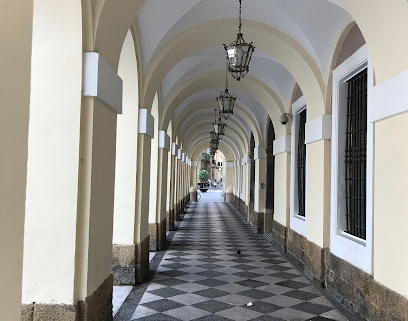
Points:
[[240, 56], [245, 49], [220, 101]]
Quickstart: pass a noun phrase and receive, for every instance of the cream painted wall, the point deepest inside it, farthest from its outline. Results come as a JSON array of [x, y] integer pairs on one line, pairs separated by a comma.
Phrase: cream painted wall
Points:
[[282, 188], [102, 196], [15, 57], [260, 177], [142, 188], [377, 22], [126, 148], [53, 154], [318, 192], [390, 210], [229, 175]]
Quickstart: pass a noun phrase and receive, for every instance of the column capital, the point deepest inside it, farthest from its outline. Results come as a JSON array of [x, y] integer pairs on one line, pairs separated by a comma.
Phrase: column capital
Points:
[[146, 123], [318, 129], [101, 81], [193, 163], [260, 152], [164, 140], [174, 149], [281, 145], [179, 152]]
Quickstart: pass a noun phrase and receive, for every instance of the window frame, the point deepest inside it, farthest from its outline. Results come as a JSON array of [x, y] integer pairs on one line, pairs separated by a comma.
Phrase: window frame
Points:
[[346, 246], [297, 223]]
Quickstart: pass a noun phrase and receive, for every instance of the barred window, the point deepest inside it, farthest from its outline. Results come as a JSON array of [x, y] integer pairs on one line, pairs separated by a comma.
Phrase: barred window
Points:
[[356, 155], [301, 163]]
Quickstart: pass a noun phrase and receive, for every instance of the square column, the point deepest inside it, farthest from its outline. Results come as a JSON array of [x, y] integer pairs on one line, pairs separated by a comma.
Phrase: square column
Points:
[[257, 217], [281, 217], [146, 133], [70, 191], [162, 165]]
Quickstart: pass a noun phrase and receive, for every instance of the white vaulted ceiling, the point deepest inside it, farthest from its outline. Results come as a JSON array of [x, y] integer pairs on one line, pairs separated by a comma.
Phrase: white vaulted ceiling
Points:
[[314, 25]]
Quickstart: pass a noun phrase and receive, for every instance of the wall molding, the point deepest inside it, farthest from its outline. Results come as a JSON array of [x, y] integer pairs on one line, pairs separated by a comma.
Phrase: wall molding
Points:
[[101, 81], [146, 123], [282, 145], [318, 129], [389, 98]]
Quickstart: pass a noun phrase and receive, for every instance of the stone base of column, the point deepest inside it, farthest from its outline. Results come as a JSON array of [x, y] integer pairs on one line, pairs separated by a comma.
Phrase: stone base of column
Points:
[[229, 197], [96, 307], [193, 196], [279, 235], [352, 287], [240, 205], [130, 262], [308, 255], [157, 233], [257, 220], [123, 264], [177, 213], [359, 292], [170, 220], [153, 237], [268, 218], [142, 260]]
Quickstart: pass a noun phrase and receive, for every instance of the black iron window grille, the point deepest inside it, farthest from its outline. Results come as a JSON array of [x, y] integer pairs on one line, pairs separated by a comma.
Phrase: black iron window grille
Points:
[[301, 164], [356, 155]]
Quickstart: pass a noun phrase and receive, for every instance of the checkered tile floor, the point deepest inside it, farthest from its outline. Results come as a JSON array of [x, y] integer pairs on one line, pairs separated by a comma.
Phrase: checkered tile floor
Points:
[[201, 276]]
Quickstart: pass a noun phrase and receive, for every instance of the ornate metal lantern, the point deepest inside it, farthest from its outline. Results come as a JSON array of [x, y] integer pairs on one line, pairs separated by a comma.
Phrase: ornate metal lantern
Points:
[[239, 53], [219, 126], [214, 136], [214, 144], [225, 100]]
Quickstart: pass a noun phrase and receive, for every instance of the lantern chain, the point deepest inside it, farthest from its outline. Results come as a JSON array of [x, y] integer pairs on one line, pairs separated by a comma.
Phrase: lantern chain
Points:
[[240, 10]]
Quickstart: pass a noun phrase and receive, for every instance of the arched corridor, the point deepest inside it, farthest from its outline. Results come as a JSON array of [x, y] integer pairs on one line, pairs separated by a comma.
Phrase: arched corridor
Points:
[[118, 116]]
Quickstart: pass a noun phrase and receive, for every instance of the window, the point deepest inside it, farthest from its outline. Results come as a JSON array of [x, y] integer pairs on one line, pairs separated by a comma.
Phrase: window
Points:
[[301, 163], [355, 156], [352, 162], [298, 208]]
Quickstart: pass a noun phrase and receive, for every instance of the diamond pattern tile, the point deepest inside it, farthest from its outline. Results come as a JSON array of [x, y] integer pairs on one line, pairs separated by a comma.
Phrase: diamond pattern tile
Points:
[[202, 277]]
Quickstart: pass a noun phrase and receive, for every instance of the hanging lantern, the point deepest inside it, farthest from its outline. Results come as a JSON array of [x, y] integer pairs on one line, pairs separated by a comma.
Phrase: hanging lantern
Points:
[[214, 136], [214, 144], [239, 53], [219, 126], [225, 100]]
